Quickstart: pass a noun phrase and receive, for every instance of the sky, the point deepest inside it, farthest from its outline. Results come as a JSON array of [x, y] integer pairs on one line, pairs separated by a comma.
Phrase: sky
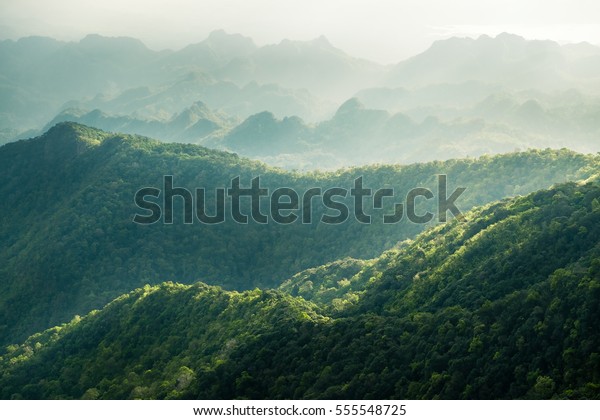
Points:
[[385, 31]]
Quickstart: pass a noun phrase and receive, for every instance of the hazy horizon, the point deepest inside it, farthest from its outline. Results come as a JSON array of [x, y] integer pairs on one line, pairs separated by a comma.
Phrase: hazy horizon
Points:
[[395, 31]]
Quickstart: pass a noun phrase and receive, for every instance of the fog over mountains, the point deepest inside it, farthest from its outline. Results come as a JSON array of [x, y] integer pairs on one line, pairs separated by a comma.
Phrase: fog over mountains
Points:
[[488, 288], [309, 105]]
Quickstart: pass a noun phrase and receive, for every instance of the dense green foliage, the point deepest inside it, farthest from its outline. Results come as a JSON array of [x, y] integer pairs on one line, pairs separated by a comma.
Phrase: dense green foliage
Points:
[[503, 305], [68, 243], [333, 283], [198, 323]]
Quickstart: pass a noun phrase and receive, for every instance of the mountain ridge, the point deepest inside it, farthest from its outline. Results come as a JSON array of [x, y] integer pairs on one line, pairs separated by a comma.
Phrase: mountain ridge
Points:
[[410, 334], [71, 246], [39, 75]]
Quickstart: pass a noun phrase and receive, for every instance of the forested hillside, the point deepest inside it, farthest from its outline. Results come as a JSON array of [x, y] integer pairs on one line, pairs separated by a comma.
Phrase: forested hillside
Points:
[[69, 244], [503, 305], [361, 201]]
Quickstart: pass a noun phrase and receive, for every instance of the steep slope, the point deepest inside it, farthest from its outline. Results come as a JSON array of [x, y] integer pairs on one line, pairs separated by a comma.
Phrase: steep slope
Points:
[[504, 305], [212, 323], [69, 244]]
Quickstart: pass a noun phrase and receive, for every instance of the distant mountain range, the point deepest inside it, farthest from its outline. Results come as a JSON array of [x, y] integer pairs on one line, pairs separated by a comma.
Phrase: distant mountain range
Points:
[[356, 134], [192, 125], [294, 104], [507, 59], [39, 75]]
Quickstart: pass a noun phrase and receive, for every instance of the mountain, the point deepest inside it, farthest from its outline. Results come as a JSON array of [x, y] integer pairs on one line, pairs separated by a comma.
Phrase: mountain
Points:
[[162, 101], [263, 134], [94, 64], [444, 100], [507, 59], [213, 53], [431, 106], [502, 305], [549, 116], [69, 243], [314, 65], [38, 76], [192, 125], [357, 134]]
